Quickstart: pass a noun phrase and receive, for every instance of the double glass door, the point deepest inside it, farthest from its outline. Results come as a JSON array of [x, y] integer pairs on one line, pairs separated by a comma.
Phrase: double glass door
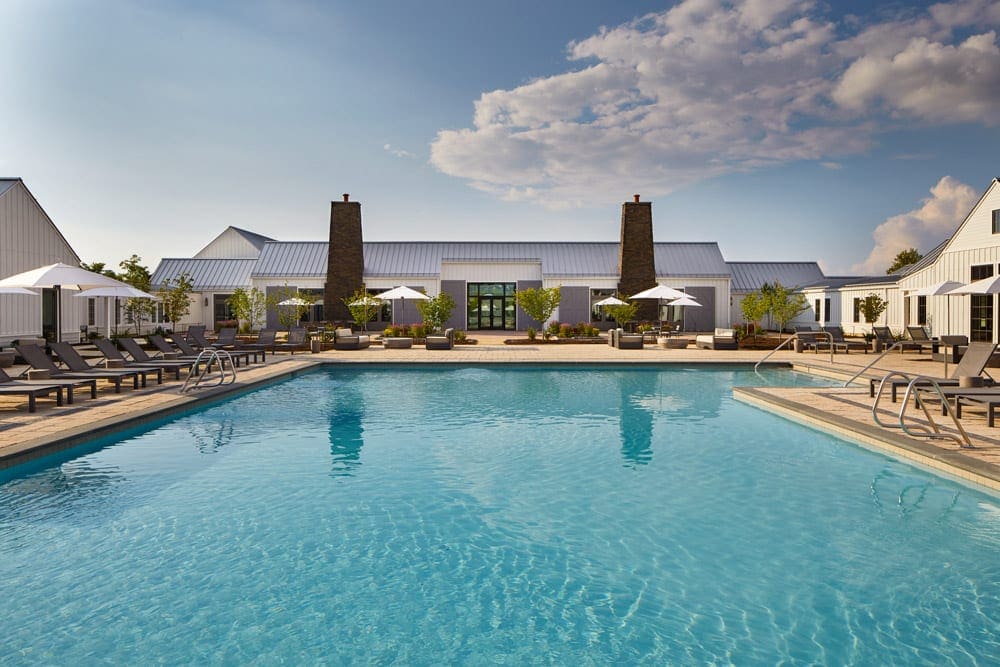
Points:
[[491, 306]]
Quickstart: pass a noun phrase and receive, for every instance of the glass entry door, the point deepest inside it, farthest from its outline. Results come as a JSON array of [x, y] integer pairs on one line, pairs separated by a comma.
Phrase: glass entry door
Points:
[[491, 306], [49, 318]]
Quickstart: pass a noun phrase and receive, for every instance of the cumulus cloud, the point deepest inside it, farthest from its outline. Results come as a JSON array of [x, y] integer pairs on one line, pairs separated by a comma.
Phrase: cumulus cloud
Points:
[[923, 228], [711, 87]]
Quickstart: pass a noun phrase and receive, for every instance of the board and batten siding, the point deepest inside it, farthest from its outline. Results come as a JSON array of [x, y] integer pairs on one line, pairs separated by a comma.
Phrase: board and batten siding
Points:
[[976, 232], [230, 244], [28, 240], [491, 272]]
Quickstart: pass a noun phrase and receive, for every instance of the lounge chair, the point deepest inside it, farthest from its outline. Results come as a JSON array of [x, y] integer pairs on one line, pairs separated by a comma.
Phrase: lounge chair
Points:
[[296, 342], [921, 340], [68, 385], [265, 342], [624, 341], [75, 362], [227, 341], [37, 359], [441, 341], [973, 364], [189, 352], [886, 340], [808, 338], [139, 357], [196, 335], [839, 341], [722, 339], [161, 344], [10, 387]]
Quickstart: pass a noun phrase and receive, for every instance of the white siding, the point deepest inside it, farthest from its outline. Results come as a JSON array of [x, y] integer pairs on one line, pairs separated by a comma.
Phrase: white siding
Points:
[[230, 244], [976, 233], [487, 272], [28, 240]]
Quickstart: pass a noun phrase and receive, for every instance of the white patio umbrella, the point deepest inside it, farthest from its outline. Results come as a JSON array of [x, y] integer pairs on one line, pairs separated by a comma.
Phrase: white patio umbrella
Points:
[[610, 301], [17, 290], [682, 302], [295, 301], [402, 293], [660, 293], [123, 291], [943, 288], [985, 286], [58, 276], [366, 300]]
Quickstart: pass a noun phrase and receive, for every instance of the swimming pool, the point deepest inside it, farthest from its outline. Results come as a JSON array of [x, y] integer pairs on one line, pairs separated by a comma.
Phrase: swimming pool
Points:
[[483, 515]]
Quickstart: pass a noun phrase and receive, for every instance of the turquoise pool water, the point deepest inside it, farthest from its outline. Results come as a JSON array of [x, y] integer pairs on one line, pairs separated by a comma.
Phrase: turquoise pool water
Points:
[[486, 516]]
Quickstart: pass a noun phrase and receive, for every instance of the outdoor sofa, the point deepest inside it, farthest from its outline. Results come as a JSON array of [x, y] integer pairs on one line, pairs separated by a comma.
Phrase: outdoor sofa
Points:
[[623, 341], [722, 339], [441, 341], [345, 339]]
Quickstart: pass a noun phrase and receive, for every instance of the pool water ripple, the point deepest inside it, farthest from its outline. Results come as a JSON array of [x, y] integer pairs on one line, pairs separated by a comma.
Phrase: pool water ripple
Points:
[[483, 516]]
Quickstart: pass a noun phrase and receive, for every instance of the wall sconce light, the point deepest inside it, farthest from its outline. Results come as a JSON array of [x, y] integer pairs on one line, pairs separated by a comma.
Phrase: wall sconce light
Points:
[[206, 302]]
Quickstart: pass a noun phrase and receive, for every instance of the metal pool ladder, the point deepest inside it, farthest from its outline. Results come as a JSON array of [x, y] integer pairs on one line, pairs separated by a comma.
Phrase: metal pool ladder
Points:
[[915, 386], [201, 370]]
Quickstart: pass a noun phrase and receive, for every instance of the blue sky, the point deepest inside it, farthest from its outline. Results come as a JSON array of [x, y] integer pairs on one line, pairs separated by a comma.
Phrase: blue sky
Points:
[[783, 129]]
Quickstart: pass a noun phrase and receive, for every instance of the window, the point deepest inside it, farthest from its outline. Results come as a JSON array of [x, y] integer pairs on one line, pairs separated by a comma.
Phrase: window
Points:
[[599, 313], [981, 326], [981, 271], [996, 221], [857, 309], [816, 306], [91, 314], [921, 310], [826, 310]]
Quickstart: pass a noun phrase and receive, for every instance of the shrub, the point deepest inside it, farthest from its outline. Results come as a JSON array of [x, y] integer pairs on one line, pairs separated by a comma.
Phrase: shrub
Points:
[[532, 333], [460, 336], [565, 331], [419, 330]]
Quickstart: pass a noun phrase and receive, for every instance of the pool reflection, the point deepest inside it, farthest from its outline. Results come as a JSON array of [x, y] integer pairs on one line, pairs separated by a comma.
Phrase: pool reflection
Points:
[[347, 413]]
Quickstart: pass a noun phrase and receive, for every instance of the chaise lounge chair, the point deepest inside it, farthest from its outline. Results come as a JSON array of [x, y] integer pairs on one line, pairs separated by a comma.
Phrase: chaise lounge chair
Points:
[[161, 344], [839, 341], [296, 342], [886, 340], [139, 357], [227, 341], [973, 364], [921, 340], [189, 352], [75, 362], [10, 387], [441, 341], [37, 359], [68, 385]]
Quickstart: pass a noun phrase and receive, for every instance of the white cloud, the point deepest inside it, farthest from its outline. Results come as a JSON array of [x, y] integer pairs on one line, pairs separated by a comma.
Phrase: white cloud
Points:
[[923, 228], [398, 152], [710, 87]]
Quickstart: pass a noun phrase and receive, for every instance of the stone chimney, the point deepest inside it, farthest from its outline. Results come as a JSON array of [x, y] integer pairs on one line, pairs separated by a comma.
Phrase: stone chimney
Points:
[[346, 261], [636, 265]]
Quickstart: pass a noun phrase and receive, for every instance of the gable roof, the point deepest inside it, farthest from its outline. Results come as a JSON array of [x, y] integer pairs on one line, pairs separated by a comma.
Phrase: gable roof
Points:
[[751, 276], [7, 184], [965, 221], [226, 244]]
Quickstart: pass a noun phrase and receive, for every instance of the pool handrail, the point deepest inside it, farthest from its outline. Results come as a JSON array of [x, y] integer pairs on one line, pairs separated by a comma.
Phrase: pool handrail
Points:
[[208, 356], [792, 338], [915, 386]]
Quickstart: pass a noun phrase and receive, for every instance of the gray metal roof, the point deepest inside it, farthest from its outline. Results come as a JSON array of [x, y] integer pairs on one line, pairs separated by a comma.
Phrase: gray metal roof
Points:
[[255, 239], [424, 258], [924, 261], [292, 258], [751, 276], [838, 282], [207, 274], [7, 183]]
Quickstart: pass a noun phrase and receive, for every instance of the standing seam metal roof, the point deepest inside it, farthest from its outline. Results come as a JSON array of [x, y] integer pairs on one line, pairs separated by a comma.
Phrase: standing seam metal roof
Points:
[[424, 258], [751, 276], [206, 274]]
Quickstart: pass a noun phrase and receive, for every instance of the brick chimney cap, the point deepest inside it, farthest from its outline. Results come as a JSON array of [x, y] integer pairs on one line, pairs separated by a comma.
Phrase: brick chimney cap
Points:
[[636, 198], [347, 197]]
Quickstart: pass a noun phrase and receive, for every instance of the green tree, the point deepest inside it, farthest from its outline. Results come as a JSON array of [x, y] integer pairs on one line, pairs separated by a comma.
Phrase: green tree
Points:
[[784, 304], [904, 258], [250, 306], [363, 307], [539, 303], [138, 276], [872, 307], [623, 313], [99, 267], [176, 298], [436, 310], [754, 307]]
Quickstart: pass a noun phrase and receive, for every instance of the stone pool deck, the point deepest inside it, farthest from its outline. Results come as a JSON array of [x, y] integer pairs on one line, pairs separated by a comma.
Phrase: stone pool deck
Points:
[[843, 411]]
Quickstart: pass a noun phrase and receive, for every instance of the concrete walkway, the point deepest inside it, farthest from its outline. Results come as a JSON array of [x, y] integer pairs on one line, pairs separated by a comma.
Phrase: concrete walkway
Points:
[[844, 411]]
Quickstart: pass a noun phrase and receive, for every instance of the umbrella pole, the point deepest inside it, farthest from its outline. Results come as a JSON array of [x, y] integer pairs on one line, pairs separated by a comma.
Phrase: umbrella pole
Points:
[[58, 291]]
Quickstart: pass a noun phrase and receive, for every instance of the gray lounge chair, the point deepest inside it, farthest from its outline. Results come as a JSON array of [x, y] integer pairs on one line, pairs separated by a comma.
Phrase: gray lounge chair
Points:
[[227, 341], [296, 342], [139, 357], [36, 358], [441, 341], [68, 385], [885, 338], [921, 340], [265, 342], [972, 364], [10, 387], [190, 352], [75, 362], [161, 344], [839, 341]]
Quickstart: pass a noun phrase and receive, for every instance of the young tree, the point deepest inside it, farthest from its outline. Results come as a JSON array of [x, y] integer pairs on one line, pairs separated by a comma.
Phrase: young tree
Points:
[[138, 276], [250, 306], [176, 298], [290, 315], [436, 310], [622, 313], [872, 307], [754, 307], [904, 258], [784, 305], [539, 303], [363, 307]]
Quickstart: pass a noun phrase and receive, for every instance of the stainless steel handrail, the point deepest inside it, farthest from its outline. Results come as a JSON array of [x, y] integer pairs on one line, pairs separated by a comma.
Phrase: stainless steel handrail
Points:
[[792, 338], [896, 345], [914, 387], [208, 356]]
